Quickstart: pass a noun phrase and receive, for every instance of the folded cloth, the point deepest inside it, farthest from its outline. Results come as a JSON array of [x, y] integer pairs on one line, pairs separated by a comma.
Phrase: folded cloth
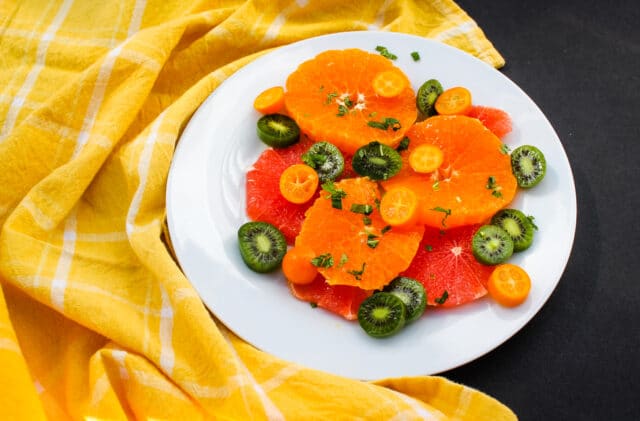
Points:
[[96, 319]]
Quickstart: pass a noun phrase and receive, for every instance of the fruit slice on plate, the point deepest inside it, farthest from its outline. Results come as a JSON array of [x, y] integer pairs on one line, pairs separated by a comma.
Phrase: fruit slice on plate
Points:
[[343, 300], [332, 98], [473, 182], [358, 247], [263, 199], [494, 119], [445, 265]]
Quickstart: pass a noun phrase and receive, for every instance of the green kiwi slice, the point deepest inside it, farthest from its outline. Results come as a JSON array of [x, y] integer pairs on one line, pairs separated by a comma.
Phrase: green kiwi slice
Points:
[[426, 97], [382, 314], [262, 246], [278, 130], [376, 161], [529, 165], [412, 294], [491, 245], [517, 225], [326, 159]]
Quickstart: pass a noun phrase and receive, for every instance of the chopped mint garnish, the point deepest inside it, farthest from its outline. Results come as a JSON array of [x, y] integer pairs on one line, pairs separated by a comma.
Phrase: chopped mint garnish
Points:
[[357, 273], [361, 208], [330, 97], [372, 241], [446, 212], [385, 53], [323, 261], [335, 194], [441, 300], [388, 122], [404, 144]]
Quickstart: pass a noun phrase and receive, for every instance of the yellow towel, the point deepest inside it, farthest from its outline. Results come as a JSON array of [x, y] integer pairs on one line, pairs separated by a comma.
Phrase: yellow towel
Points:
[[96, 319]]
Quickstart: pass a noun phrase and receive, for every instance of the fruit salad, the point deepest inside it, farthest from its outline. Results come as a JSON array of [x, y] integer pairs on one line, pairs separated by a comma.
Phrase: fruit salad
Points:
[[378, 202]]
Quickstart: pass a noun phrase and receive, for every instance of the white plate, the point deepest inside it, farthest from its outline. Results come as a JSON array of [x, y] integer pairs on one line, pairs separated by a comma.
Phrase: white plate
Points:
[[205, 205]]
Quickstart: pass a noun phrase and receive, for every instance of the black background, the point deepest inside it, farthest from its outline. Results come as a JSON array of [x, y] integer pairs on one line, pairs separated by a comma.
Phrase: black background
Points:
[[579, 357]]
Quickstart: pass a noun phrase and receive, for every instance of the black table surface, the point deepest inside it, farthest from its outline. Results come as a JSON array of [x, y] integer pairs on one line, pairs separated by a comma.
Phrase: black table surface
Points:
[[579, 357]]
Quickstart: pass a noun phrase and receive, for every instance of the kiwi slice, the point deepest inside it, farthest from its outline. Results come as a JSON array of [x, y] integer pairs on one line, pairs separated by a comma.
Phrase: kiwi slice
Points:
[[377, 161], [382, 314], [412, 294], [262, 246], [278, 130], [426, 97], [528, 165], [326, 159], [517, 225], [491, 245]]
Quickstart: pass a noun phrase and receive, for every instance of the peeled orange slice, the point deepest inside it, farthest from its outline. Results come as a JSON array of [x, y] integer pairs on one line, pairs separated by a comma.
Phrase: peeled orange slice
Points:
[[332, 98], [473, 182]]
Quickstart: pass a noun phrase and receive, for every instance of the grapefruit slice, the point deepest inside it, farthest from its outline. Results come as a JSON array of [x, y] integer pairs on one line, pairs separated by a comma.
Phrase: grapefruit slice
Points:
[[343, 300], [363, 250], [474, 180], [264, 202], [332, 98], [445, 262], [494, 119]]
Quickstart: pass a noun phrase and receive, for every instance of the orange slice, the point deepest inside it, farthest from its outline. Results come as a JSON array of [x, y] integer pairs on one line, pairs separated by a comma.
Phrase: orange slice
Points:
[[358, 249], [459, 191], [332, 98]]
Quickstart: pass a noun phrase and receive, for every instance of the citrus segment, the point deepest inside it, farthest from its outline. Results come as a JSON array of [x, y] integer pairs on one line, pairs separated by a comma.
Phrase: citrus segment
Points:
[[342, 300], [362, 249], [445, 265], [474, 180], [332, 98], [494, 119], [262, 191]]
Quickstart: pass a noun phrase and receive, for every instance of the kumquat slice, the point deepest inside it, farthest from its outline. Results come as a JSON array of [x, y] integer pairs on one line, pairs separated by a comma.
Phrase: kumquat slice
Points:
[[389, 83], [399, 206], [298, 183], [426, 158], [270, 101], [509, 285], [456, 100]]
